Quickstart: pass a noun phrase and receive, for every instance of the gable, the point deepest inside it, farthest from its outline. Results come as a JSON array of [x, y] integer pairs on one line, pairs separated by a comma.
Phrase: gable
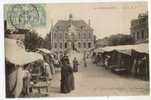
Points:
[[66, 25]]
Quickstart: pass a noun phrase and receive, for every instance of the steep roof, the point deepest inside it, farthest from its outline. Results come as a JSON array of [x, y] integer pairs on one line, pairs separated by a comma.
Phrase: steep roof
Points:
[[65, 24]]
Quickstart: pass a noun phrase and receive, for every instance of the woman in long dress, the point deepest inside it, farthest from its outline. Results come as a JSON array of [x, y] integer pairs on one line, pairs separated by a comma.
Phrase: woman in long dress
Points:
[[75, 65], [67, 78], [85, 59]]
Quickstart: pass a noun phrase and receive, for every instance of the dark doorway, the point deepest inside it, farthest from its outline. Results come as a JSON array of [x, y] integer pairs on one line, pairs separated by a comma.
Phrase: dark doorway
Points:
[[73, 46], [66, 45]]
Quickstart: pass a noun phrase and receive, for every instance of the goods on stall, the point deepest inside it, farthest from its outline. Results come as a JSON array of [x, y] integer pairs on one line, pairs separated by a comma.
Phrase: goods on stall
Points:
[[16, 59], [127, 59]]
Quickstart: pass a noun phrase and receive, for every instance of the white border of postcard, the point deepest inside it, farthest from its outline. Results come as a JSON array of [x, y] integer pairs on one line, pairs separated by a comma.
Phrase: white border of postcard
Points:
[[2, 68]]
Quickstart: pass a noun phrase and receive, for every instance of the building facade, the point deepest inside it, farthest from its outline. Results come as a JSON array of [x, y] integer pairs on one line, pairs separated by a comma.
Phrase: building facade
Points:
[[139, 28], [72, 35]]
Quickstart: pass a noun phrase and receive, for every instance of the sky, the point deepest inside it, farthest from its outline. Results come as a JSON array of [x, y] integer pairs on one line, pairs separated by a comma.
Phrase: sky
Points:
[[106, 18]]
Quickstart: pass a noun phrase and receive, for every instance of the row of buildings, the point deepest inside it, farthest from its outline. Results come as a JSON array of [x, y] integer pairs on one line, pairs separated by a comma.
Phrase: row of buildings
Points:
[[78, 35], [138, 31], [139, 28]]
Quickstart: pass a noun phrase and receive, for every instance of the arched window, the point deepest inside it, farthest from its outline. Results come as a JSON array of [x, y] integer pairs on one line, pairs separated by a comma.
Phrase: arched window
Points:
[[55, 45], [137, 35], [66, 45], [83, 35], [84, 45], [79, 45], [89, 45], [60, 45]]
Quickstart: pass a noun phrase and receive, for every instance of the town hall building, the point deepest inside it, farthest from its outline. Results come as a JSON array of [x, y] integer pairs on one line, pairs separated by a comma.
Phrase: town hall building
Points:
[[72, 35]]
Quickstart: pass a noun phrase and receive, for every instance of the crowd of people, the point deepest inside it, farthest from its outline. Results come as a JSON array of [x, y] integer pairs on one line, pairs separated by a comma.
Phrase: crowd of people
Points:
[[134, 64], [100, 59], [53, 62], [30, 74]]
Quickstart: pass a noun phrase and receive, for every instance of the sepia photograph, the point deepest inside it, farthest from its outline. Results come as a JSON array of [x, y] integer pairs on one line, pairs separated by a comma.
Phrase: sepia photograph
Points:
[[76, 49]]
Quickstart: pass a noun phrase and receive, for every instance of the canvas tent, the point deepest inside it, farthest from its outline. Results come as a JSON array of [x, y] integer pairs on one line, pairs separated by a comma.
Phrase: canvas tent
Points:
[[99, 50], [131, 56], [140, 67], [44, 50], [143, 48], [17, 55]]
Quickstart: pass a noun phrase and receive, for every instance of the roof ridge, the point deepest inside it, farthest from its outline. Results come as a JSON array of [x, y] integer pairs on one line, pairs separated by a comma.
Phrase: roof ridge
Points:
[[63, 24]]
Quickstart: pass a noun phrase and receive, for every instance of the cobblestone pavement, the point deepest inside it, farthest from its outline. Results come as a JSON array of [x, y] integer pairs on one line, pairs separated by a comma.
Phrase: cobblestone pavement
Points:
[[96, 81]]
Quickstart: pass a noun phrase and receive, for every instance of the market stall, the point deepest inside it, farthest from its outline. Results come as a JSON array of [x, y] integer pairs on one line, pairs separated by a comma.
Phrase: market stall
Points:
[[16, 58], [127, 57], [48, 58]]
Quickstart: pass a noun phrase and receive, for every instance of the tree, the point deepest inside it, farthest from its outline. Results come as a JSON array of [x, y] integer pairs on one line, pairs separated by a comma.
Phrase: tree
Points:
[[121, 39], [48, 41], [33, 41]]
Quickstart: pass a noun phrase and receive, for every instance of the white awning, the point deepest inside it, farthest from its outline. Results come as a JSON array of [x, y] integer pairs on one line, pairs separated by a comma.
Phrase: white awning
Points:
[[143, 48], [99, 50], [45, 50], [18, 55]]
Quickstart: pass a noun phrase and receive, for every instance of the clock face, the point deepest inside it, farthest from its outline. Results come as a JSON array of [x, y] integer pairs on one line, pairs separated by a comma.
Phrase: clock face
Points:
[[23, 15]]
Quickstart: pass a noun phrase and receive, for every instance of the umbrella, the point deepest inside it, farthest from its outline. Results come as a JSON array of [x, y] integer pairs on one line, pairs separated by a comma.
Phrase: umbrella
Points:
[[18, 55]]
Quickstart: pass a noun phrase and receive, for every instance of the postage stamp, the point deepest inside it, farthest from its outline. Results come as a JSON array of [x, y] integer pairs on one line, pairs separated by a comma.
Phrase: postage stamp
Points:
[[21, 15]]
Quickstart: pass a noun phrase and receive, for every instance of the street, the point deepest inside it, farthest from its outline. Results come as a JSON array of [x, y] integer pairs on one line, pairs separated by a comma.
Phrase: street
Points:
[[97, 81]]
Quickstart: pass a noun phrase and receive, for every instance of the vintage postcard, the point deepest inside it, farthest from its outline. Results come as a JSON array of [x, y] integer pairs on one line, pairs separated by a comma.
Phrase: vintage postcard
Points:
[[76, 49]]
